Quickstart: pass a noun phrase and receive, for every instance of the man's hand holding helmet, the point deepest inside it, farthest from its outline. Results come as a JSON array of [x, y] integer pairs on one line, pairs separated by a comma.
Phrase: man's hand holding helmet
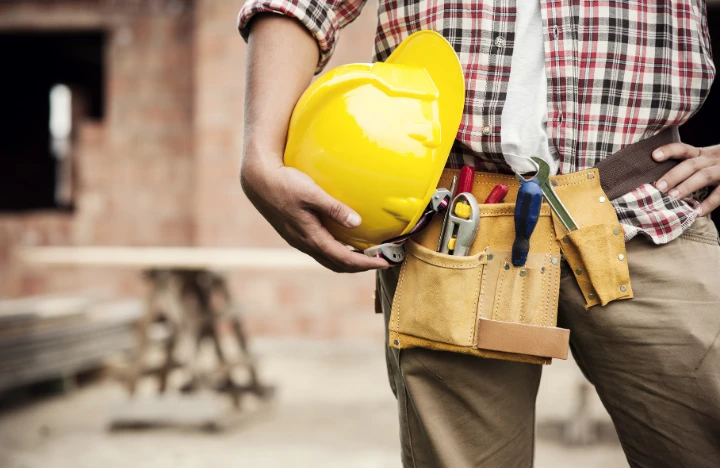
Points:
[[355, 158], [292, 204], [283, 57]]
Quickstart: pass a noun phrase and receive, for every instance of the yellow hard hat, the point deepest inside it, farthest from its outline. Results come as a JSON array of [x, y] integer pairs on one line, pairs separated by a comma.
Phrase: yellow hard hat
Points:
[[377, 136]]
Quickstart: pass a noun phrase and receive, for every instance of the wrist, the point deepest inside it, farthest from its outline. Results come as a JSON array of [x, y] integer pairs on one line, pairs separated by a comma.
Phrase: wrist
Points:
[[256, 165]]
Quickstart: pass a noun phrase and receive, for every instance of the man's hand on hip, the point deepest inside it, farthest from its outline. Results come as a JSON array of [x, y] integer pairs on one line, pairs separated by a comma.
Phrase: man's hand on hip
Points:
[[293, 203], [700, 168]]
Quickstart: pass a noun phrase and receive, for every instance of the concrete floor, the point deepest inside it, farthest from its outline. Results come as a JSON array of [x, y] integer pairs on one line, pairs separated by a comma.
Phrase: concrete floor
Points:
[[333, 409]]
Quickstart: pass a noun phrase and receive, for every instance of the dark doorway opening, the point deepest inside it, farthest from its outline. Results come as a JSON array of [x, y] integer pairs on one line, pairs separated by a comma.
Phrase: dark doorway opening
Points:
[[48, 81], [704, 128]]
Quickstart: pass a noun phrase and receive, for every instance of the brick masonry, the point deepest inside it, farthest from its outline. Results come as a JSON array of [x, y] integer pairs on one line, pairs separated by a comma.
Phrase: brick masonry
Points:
[[161, 169]]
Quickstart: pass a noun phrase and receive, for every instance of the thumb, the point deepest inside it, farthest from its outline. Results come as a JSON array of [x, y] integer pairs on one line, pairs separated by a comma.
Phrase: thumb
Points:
[[336, 210]]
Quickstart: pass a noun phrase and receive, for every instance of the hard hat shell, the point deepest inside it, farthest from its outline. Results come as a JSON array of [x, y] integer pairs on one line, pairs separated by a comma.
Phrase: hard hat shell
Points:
[[377, 136]]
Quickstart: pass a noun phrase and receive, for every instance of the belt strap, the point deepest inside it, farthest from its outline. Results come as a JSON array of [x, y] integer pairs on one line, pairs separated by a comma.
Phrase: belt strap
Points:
[[634, 166]]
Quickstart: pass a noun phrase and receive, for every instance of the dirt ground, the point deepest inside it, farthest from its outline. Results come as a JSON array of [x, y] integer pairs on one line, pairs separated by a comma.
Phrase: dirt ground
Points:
[[333, 409]]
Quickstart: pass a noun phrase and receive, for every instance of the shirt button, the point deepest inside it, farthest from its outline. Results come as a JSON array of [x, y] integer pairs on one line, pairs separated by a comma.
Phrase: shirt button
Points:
[[487, 130], [555, 31], [500, 41]]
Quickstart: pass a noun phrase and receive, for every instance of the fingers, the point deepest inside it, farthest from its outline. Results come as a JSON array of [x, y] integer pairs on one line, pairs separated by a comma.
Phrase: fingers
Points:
[[337, 211], [683, 170], [704, 177], [335, 256], [296, 219], [675, 151], [688, 176], [710, 203]]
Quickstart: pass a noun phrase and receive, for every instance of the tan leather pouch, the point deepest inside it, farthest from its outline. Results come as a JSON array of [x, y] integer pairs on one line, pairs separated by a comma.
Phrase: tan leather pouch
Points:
[[481, 304]]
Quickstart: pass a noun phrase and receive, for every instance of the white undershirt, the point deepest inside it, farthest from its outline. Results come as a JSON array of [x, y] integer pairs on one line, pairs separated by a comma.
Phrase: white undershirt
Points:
[[523, 122]]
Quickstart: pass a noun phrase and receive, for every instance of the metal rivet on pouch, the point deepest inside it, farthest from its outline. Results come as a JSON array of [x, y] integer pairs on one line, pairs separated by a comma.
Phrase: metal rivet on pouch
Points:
[[542, 270], [621, 257], [616, 232], [554, 261], [523, 273], [602, 199], [507, 267], [396, 342], [565, 239], [578, 271], [554, 183], [591, 176], [623, 288], [591, 296], [490, 256]]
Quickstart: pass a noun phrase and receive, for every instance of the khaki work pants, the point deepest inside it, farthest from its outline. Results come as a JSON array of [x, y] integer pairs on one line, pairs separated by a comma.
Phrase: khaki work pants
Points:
[[654, 360]]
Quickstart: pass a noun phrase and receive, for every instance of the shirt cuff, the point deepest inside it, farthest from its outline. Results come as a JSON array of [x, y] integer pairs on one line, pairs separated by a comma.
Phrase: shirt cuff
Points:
[[317, 16]]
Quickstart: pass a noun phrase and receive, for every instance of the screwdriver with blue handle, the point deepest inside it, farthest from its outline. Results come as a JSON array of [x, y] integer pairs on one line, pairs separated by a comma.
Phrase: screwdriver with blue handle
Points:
[[527, 211]]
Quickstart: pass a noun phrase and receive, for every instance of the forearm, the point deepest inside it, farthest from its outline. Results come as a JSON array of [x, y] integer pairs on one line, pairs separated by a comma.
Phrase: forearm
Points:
[[281, 60]]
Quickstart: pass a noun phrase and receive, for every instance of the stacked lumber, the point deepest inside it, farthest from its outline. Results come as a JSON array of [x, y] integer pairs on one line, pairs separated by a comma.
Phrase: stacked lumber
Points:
[[49, 337]]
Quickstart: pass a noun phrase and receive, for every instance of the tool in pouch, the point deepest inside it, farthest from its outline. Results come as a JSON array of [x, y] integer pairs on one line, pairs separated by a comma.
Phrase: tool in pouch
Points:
[[542, 178], [527, 211], [463, 218], [453, 187], [497, 194]]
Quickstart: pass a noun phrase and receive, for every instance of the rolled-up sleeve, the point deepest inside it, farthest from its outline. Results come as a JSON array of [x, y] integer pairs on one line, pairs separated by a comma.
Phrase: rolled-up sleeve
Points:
[[324, 20]]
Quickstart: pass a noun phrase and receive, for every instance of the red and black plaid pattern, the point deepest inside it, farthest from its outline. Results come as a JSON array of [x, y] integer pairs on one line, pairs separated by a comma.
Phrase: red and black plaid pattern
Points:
[[618, 72]]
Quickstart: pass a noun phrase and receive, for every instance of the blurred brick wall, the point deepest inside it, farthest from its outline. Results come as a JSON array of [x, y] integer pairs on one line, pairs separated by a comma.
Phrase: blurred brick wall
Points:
[[134, 170], [162, 168]]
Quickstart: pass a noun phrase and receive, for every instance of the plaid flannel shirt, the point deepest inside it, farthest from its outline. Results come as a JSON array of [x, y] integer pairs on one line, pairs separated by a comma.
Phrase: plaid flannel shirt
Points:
[[618, 72]]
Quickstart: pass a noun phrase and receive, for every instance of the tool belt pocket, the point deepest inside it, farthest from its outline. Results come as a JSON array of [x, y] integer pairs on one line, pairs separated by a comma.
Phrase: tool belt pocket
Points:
[[481, 304], [437, 296], [595, 251]]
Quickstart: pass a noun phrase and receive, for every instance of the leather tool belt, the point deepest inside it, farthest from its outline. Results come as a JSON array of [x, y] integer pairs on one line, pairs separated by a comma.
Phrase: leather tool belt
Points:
[[481, 304]]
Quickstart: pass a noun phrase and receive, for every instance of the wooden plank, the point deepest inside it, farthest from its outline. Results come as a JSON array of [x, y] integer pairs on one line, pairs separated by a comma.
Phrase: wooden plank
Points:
[[49, 337], [43, 307], [178, 258]]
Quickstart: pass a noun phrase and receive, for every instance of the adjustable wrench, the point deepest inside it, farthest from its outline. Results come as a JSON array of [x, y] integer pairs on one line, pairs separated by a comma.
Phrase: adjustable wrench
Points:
[[542, 177], [462, 226]]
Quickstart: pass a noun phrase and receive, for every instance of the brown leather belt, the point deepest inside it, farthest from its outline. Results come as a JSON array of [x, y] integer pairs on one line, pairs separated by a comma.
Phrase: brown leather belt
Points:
[[633, 166]]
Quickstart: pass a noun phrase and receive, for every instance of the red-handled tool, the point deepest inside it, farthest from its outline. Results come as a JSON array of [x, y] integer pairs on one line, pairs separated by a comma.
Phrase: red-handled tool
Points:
[[467, 175], [497, 194]]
